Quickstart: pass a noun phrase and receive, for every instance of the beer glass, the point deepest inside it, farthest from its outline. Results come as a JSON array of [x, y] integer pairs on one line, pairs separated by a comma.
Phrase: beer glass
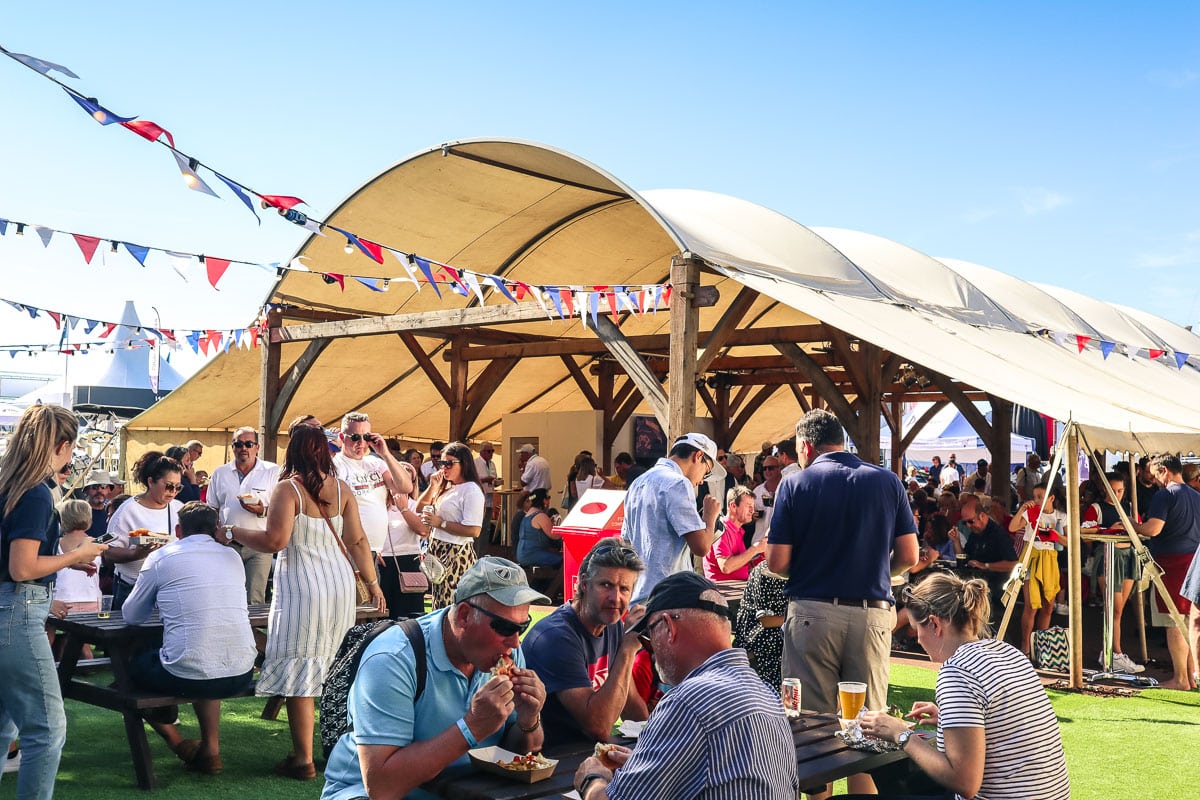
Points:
[[851, 697]]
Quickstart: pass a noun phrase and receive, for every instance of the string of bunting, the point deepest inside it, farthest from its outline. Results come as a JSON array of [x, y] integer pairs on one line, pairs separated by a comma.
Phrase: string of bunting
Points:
[[1082, 343], [567, 300]]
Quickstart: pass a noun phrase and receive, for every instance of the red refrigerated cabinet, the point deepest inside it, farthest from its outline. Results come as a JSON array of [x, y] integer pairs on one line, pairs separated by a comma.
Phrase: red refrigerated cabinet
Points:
[[597, 514]]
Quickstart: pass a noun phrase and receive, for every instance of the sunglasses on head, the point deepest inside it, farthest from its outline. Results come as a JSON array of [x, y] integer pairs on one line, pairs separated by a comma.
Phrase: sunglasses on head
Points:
[[360, 437], [503, 627], [238, 445]]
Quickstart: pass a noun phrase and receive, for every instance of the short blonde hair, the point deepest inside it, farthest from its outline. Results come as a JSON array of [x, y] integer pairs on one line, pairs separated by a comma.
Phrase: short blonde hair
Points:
[[75, 515]]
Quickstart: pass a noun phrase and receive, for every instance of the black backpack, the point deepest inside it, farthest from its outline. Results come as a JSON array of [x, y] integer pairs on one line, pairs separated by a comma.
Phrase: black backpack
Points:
[[335, 692]]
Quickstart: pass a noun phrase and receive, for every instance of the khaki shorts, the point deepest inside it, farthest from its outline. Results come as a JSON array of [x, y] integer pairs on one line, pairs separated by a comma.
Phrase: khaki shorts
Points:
[[824, 644]]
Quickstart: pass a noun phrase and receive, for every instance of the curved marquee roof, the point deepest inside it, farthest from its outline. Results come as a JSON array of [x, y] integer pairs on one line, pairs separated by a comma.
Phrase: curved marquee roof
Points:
[[539, 215]]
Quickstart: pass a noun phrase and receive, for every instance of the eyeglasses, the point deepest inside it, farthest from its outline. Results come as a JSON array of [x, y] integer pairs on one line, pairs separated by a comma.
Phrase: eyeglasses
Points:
[[721, 458], [449, 462], [503, 627], [360, 437], [238, 445], [769, 468], [644, 636], [172, 487]]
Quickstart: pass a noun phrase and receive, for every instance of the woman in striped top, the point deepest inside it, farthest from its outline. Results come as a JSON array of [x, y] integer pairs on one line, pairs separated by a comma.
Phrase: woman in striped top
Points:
[[997, 736]]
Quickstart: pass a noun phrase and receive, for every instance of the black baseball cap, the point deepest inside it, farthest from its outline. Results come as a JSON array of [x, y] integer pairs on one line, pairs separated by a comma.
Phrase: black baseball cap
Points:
[[681, 590]]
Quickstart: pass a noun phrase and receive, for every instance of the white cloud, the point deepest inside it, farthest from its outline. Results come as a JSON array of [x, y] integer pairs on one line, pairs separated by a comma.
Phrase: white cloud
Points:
[[1174, 78], [1041, 201]]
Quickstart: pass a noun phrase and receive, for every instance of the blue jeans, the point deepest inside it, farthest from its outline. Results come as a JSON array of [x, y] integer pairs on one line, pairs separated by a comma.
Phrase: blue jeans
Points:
[[29, 692]]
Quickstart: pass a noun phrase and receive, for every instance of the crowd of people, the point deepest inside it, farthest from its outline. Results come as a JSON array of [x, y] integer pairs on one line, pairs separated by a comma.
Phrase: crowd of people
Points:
[[839, 556]]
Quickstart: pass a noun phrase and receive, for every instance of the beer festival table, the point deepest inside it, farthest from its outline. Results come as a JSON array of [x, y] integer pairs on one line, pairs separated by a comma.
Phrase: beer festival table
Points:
[[821, 758], [121, 642]]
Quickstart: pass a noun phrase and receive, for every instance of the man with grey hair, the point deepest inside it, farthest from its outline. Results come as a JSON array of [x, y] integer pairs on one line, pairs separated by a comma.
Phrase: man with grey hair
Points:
[[372, 473], [584, 652], [720, 732], [842, 528], [489, 479], [240, 491]]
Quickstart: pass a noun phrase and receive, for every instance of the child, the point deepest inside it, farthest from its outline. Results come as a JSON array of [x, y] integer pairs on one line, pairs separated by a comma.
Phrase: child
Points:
[[78, 589], [1043, 584]]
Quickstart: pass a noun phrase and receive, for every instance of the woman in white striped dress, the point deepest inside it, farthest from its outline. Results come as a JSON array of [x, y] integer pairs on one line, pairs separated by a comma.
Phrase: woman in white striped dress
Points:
[[314, 599]]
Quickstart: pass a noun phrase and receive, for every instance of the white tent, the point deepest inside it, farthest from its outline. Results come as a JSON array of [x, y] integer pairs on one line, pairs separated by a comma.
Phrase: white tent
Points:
[[949, 432]]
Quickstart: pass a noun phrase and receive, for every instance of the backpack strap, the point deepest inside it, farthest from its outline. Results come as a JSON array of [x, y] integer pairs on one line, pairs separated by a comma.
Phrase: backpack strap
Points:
[[416, 637]]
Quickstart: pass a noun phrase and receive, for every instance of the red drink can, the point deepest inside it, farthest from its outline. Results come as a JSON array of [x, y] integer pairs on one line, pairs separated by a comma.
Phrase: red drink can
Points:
[[790, 689]]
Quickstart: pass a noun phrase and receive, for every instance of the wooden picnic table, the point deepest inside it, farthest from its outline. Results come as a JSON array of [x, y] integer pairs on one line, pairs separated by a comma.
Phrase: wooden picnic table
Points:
[[821, 758], [121, 642]]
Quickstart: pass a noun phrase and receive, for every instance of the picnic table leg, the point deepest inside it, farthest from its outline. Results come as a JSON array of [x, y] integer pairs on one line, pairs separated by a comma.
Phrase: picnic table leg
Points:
[[271, 709], [139, 749]]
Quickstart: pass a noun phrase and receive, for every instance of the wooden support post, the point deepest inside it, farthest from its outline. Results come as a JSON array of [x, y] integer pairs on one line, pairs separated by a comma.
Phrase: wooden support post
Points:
[[269, 387], [458, 390], [897, 438], [685, 332], [1000, 445], [1074, 562], [870, 358]]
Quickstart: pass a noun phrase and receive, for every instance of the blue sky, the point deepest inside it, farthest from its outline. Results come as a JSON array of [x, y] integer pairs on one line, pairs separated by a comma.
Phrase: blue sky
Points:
[[1057, 142]]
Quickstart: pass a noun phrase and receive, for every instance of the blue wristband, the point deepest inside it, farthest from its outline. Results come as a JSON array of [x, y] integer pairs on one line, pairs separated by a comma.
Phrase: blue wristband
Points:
[[465, 730]]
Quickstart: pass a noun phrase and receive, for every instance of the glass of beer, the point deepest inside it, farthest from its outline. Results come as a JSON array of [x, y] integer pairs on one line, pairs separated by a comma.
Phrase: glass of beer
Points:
[[105, 611], [851, 697]]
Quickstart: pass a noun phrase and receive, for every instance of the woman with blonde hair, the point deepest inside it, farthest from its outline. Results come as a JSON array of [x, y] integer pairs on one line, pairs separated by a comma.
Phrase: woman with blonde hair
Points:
[[40, 446], [997, 735]]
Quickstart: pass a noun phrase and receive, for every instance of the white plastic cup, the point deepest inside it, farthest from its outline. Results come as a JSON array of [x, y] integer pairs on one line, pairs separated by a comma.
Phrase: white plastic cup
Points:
[[106, 603]]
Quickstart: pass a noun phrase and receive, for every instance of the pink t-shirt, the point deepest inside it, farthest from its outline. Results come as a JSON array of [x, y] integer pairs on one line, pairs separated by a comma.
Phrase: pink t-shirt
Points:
[[731, 543]]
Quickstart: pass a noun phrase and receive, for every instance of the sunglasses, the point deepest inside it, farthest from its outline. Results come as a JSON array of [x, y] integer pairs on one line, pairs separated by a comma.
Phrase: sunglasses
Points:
[[721, 458], [918, 609], [770, 468], [173, 487], [503, 627], [238, 445], [449, 462], [66, 470], [360, 437]]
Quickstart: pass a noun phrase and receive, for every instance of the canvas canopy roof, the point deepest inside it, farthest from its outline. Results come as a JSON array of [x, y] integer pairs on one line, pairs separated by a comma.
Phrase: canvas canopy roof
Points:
[[532, 213]]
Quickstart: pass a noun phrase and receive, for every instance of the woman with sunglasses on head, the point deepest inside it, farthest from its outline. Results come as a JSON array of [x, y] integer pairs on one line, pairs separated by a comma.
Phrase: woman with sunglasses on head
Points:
[[457, 499], [997, 735], [155, 510], [314, 525], [30, 700]]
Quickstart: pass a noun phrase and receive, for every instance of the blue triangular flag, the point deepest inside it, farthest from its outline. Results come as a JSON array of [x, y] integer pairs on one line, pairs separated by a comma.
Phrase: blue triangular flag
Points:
[[33, 312], [237, 335], [1180, 359], [91, 326], [556, 298], [138, 252], [42, 65], [498, 282], [193, 339], [423, 265], [45, 234], [595, 309], [245, 198], [1106, 348], [3, 226], [97, 111], [370, 283]]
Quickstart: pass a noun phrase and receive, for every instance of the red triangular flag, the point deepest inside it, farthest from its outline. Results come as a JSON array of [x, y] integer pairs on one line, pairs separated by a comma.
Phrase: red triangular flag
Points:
[[1081, 341], [87, 244], [283, 201], [216, 268], [376, 250], [57, 317], [253, 331], [522, 290], [108, 329], [566, 300], [149, 130], [612, 302], [667, 296], [1156, 354], [340, 280]]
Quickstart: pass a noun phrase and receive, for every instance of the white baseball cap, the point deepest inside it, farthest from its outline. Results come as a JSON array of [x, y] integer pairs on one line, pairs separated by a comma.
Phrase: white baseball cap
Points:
[[709, 448]]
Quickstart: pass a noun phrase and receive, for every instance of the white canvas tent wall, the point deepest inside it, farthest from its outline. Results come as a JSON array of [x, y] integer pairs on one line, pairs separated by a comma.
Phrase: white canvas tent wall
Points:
[[944, 435], [539, 215]]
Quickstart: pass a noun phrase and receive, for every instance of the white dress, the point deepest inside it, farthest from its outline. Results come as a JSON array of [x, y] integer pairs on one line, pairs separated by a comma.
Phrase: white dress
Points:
[[311, 610]]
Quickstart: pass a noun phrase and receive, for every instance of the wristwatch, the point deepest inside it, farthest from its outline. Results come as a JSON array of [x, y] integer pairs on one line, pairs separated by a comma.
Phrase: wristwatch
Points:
[[228, 533], [903, 738]]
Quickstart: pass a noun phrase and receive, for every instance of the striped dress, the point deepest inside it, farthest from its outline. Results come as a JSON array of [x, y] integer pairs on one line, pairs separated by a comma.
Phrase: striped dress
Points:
[[989, 684], [311, 610]]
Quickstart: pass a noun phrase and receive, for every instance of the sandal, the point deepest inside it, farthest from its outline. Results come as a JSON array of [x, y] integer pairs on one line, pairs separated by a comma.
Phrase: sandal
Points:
[[300, 772], [186, 750], [207, 765]]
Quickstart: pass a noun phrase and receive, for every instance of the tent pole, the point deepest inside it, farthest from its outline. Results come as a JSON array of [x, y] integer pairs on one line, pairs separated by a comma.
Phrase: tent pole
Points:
[[1138, 594], [685, 333], [1074, 562], [269, 387]]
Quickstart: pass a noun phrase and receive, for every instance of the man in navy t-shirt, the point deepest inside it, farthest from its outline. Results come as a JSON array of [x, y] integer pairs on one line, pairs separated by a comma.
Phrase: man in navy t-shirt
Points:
[[584, 653], [841, 529]]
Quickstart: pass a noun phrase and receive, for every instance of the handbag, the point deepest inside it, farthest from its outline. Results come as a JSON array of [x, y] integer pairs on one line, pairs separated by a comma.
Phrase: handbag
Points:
[[362, 593], [410, 582], [1051, 649], [429, 565]]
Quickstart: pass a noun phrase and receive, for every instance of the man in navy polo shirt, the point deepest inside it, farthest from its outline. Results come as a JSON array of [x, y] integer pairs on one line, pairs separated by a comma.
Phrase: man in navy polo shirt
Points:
[[841, 529]]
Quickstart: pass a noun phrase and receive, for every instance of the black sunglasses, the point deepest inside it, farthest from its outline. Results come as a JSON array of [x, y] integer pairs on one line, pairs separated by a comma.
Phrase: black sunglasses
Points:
[[238, 445], [360, 437], [449, 462], [503, 627]]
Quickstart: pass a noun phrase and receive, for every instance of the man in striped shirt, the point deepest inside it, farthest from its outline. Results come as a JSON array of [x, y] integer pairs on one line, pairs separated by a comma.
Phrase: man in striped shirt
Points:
[[697, 743]]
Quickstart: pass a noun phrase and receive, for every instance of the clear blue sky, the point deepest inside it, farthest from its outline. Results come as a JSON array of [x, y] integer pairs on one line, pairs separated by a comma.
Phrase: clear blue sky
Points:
[[1057, 142]]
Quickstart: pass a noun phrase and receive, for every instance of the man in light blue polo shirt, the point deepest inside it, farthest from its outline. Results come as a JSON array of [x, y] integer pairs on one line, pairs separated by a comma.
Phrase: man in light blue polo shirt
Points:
[[403, 744], [661, 521]]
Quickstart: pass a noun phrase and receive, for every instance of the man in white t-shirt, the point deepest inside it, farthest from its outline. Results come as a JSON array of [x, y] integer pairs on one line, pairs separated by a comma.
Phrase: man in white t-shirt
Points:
[[785, 452], [240, 491], [489, 479], [431, 466], [535, 471], [764, 497], [372, 473]]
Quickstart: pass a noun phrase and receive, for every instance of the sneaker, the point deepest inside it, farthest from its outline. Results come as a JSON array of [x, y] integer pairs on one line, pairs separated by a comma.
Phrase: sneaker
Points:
[[13, 762], [1123, 663], [1062, 609]]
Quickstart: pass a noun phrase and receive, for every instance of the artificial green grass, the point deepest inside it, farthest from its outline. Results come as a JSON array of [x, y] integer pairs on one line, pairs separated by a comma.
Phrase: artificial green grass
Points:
[[1115, 746]]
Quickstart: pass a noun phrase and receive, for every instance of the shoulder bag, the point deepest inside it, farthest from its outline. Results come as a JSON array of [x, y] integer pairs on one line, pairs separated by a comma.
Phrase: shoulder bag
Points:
[[360, 586]]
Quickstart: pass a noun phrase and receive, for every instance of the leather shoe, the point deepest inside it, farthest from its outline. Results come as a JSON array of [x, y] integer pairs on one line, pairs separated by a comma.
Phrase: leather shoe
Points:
[[206, 765], [300, 772], [186, 750]]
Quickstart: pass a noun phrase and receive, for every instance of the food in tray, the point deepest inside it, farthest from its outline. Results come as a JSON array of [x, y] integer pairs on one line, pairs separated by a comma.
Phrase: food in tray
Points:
[[603, 752], [144, 536], [526, 763], [504, 667]]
